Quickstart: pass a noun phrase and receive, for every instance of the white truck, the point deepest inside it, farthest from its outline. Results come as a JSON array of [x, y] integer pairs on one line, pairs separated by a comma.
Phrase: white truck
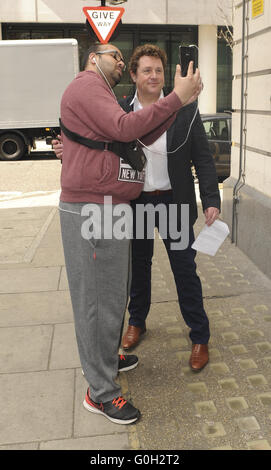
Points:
[[33, 76]]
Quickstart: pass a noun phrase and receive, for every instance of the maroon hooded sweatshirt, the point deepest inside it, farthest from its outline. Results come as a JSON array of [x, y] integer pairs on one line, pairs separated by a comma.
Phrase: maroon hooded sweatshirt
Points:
[[89, 108]]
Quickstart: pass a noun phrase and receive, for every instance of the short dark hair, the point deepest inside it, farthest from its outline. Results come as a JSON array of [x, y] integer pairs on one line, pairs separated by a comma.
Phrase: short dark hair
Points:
[[146, 50], [95, 47]]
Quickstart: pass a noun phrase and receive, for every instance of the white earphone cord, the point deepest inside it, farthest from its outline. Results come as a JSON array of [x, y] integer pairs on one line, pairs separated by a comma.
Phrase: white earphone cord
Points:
[[139, 141], [184, 142]]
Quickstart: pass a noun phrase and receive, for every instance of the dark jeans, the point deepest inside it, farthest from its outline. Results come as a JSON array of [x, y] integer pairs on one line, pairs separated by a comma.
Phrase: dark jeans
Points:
[[183, 266]]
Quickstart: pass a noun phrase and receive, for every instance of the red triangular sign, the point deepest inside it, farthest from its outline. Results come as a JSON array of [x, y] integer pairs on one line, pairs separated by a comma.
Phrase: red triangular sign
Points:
[[103, 21]]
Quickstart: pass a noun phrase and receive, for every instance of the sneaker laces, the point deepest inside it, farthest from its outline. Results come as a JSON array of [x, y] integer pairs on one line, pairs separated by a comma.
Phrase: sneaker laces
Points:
[[122, 357], [119, 402]]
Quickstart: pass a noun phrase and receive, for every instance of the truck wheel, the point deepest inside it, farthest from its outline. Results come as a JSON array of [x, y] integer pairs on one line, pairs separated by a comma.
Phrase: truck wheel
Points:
[[12, 147]]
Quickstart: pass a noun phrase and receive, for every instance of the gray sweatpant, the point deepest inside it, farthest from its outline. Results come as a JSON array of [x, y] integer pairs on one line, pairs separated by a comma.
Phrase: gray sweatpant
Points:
[[98, 272]]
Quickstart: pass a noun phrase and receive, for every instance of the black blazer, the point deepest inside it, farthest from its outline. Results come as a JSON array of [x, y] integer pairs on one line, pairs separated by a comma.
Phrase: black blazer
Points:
[[195, 152]]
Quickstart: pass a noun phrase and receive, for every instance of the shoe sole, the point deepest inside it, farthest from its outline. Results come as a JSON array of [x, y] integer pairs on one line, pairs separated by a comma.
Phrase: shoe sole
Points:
[[124, 369], [198, 370], [113, 420], [131, 347]]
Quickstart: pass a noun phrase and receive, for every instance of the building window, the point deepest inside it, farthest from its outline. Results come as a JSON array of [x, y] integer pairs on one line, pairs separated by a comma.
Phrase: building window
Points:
[[224, 76]]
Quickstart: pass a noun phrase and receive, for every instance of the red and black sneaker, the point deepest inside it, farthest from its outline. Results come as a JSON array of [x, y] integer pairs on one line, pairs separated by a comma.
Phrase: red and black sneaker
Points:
[[119, 410], [127, 362]]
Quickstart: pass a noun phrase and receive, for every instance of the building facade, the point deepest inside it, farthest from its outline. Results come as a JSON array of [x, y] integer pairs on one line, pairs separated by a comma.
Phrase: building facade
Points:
[[247, 193], [167, 23]]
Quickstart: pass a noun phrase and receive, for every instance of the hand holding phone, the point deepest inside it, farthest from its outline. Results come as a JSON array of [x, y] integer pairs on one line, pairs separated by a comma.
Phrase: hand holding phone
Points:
[[187, 88], [186, 55]]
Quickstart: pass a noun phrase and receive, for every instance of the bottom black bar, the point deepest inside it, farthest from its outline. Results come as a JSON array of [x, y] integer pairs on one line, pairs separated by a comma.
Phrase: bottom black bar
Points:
[[122, 459]]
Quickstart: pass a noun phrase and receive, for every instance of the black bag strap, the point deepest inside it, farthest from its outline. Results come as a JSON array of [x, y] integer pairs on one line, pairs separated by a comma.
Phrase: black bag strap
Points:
[[128, 151], [93, 144]]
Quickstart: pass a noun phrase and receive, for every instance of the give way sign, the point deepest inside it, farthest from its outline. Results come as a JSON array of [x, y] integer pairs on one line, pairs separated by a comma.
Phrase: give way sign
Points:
[[103, 20]]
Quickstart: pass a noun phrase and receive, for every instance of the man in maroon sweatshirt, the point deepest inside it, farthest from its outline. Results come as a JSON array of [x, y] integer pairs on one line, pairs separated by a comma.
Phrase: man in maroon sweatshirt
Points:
[[98, 265]]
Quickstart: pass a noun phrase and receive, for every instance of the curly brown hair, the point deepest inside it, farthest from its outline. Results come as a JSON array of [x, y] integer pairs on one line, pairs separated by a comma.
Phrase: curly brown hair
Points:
[[149, 50]]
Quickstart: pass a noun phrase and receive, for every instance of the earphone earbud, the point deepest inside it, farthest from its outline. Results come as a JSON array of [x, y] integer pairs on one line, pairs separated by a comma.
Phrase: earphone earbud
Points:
[[94, 61]]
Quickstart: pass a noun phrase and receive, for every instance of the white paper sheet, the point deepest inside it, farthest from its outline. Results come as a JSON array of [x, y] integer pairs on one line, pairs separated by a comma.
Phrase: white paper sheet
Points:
[[211, 238]]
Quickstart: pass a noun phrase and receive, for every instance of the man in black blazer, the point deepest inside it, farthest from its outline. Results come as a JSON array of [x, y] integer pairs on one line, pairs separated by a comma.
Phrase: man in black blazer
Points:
[[169, 180]]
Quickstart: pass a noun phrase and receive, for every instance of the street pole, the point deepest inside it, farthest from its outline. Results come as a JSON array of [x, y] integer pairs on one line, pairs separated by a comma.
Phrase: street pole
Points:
[[236, 189]]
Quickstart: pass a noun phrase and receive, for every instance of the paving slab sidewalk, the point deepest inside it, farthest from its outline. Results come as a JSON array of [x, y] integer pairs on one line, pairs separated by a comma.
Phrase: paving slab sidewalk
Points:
[[226, 406]]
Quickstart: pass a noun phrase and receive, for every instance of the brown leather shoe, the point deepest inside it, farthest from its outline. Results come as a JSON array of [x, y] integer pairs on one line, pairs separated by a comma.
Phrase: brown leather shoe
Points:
[[132, 336], [199, 357]]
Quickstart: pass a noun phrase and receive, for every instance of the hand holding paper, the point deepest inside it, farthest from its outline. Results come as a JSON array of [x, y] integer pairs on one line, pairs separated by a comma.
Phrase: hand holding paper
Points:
[[211, 237], [211, 214]]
